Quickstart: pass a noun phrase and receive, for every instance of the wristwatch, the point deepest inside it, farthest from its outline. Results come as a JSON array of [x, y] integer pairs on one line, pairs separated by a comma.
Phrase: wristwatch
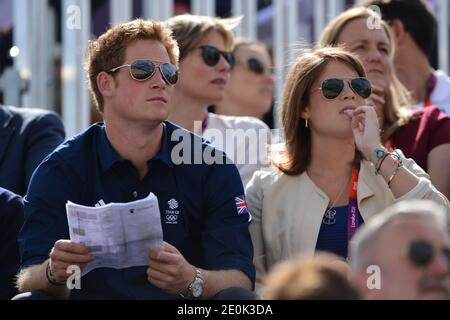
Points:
[[195, 289]]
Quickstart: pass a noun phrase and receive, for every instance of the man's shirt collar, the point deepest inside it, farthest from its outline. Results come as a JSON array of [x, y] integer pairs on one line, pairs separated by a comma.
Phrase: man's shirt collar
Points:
[[109, 156]]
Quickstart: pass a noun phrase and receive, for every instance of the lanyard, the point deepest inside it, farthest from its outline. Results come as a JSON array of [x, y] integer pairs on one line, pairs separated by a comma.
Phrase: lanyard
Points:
[[389, 145], [431, 84], [205, 121], [353, 211]]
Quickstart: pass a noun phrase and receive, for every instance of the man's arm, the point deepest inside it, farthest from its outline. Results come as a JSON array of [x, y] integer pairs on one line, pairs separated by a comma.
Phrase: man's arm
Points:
[[216, 281], [64, 254], [226, 245], [53, 183], [34, 279], [169, 271], [11, 220]]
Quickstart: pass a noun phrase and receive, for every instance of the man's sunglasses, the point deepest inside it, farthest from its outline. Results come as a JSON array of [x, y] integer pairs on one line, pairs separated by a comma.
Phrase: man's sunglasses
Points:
[[141, 70], [211, 56], [255, 65], [332, 88], [422, 252]]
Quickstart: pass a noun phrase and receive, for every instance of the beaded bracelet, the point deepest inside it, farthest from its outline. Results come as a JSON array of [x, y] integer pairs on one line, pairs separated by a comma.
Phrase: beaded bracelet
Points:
[[380, 160], [381, 154], [51, 278], [397, 155]]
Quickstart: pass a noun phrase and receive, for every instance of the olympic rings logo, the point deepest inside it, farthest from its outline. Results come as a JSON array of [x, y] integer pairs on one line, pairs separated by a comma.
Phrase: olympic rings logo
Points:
[[171, 217]]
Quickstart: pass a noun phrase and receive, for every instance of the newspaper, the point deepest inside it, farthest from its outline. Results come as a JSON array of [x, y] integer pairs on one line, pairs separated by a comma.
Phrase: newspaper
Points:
[[119, 235]]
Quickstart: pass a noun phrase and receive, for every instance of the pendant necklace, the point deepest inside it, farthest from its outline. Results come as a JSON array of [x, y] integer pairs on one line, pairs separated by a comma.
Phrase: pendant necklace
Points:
[[329, 217]]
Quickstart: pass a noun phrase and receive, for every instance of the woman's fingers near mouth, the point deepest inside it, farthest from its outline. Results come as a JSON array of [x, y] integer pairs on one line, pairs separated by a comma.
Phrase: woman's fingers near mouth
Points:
[[349, 112]]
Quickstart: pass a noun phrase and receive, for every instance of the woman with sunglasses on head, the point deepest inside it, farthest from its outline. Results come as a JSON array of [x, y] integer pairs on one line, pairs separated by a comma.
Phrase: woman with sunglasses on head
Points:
[[423, 135], [206, 59], [335, 173], [251, 75]]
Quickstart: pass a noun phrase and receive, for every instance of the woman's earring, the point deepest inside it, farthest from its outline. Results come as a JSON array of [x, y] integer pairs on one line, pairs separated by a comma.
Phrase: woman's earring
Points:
[[306, 123]]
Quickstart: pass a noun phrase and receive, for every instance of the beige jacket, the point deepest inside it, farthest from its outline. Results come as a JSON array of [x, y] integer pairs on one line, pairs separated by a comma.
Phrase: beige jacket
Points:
[[287, 211]]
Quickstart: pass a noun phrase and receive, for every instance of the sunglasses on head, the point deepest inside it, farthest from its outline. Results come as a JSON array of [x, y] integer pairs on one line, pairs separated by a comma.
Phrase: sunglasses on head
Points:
[[332, 88], [211, 56], [255, 65], [421, 252], [141, 70]]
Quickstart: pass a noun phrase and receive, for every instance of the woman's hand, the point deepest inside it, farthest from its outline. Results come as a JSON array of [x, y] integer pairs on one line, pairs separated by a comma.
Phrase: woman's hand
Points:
[[366, 131]]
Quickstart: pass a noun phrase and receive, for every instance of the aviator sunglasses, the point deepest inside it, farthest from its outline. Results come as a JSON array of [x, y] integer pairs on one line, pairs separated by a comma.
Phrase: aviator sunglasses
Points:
[[332, 88], [211, 56], [254, 65], [141, 70], [421, 252]]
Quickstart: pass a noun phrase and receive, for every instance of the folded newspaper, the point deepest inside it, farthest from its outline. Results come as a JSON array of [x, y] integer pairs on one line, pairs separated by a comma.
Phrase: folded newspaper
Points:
[[119, 235]]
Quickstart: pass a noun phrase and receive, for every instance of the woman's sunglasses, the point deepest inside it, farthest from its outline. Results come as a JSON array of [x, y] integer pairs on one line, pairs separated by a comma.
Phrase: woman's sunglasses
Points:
[[141, 70], [422, 252], [255, 65], [211, 56], [332, 88]]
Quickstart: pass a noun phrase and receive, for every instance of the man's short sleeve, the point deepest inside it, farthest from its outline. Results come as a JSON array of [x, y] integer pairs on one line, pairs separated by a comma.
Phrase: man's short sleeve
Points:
[[45, 214], [226, 237]]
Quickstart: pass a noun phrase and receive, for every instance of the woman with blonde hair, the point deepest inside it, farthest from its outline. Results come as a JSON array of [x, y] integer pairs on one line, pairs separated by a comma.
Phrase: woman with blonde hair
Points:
[[423, 135], [335, 173], [206, 58]]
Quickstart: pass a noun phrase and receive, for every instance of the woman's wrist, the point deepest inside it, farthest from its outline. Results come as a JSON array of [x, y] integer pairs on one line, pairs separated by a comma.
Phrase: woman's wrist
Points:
[[376, 154]]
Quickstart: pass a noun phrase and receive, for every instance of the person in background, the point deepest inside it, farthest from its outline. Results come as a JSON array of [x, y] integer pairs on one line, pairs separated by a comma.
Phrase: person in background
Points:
[[27, 136], [423, 135], [406, 249], [323, 276], [415, 29], [206, 59], [11, 220], [335, 173], [249, 92]]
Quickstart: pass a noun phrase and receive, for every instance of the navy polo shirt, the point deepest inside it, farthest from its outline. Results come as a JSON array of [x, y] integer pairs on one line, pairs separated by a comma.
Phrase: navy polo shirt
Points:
[[198, 205]]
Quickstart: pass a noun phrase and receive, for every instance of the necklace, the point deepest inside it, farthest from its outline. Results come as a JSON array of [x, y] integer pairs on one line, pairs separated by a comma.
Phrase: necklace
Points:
[[329, 217]]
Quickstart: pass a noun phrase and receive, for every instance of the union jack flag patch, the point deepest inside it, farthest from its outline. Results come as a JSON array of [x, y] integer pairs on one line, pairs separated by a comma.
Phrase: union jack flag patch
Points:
[[241, 204]]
